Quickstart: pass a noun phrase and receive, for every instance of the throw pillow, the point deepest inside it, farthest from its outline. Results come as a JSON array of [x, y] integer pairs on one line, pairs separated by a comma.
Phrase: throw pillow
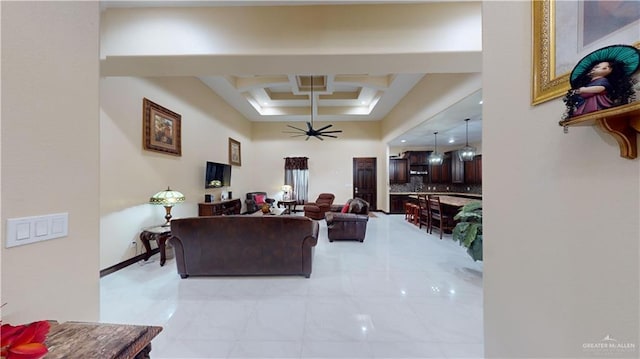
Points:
[[345, 208], [355, 206], [259, 199]]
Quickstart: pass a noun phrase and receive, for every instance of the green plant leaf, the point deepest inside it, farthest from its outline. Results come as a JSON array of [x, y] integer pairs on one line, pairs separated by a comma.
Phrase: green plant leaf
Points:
[[470, 235]]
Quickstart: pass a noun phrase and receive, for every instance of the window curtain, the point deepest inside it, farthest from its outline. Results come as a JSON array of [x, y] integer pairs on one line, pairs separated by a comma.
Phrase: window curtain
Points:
[[296, 175]]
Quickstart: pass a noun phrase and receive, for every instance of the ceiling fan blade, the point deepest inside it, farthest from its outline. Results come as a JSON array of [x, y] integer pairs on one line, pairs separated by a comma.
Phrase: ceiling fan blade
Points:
[[324, 128], [335, 131], [318, 137], [309, 126], [328, 136], [299, 129], [293, 131], [307, 139]]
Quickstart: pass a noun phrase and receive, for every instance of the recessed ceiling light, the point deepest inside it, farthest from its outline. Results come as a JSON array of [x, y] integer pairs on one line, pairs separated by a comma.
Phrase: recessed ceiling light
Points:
[[480, 102], [451, 140], [403, 141]]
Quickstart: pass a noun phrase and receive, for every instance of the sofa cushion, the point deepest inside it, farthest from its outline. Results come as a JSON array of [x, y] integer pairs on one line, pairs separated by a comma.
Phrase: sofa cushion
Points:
[[259, 199], [345, 208]]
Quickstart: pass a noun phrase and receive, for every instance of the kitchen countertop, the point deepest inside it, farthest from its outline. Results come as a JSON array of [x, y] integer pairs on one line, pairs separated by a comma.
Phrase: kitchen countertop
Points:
[[452, 200], [475, 195]]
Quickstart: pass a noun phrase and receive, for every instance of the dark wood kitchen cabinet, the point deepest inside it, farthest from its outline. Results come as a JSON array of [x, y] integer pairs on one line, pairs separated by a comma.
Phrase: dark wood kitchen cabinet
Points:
[[396, 203], [398, 170], [441, 173], [417, 158], [457, 168], [473, 171]]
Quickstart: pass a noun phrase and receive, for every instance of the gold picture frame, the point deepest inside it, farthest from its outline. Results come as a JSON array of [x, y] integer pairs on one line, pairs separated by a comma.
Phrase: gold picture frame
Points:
[[235, 156], [161, 129], [553, 57]]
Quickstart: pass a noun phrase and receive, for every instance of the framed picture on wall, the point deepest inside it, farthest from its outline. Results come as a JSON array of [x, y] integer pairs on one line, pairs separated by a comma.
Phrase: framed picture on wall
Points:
[[235, 158], [161, 129], [566, 31]]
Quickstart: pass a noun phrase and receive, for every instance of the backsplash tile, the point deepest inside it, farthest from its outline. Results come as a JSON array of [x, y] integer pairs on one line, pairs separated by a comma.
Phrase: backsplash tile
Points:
[[417, 185]]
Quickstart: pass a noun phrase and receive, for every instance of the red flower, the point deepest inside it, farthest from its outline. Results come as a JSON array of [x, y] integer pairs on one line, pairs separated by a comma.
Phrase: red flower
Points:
[[24, 341]]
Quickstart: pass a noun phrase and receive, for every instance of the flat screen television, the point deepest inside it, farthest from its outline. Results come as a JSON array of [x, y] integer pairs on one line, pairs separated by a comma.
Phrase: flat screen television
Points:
[[217, 175]]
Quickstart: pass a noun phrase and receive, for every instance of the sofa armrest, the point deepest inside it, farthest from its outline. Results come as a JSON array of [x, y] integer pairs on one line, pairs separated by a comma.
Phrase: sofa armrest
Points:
[[312, 240], [178, 254]]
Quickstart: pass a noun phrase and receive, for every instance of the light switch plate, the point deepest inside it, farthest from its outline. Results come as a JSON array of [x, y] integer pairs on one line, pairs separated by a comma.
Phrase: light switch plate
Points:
[[28, 230]]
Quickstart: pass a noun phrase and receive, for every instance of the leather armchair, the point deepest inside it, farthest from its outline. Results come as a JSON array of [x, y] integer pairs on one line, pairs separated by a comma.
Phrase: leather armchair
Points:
[[317, 209], [351, 225], [254, 203]]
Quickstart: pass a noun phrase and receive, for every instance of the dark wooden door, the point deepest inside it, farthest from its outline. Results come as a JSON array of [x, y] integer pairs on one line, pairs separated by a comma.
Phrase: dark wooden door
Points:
[[365, 180]]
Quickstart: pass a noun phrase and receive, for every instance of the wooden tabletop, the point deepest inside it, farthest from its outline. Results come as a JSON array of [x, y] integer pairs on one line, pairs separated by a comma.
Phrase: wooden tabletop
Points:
[[98, 341]]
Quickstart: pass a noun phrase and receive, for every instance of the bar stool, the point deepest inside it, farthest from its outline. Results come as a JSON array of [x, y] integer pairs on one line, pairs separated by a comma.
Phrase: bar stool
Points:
[[411, 212]]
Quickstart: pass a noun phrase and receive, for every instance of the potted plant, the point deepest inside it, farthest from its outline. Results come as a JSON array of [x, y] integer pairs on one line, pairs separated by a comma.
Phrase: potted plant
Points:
[[468, 231]]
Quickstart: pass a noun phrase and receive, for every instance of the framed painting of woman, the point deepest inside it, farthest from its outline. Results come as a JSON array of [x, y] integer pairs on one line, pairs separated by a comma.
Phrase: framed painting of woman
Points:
[[566, 31]]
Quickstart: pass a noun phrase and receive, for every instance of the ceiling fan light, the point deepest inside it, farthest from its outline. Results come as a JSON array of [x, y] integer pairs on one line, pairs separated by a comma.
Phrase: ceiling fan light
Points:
[[467, 153]]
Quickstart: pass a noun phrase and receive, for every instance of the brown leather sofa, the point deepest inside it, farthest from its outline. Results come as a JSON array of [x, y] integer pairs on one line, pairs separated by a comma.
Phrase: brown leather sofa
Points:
[[244, 245], [351, 225], [317, 209]]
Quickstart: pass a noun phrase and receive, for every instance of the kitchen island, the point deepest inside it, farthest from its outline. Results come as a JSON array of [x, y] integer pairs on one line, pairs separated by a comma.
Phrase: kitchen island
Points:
[[450, 199]]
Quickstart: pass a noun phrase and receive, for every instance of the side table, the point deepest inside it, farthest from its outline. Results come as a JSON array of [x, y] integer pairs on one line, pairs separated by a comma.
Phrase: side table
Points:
[[289, 205], [160, 234]]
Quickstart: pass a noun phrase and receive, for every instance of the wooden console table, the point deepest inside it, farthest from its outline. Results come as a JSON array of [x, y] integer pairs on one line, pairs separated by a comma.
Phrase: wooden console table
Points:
[[219, 208], [99, 341]]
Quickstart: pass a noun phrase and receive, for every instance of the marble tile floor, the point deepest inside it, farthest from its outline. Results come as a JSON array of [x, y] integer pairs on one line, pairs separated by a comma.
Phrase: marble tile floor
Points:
[[400, 294]]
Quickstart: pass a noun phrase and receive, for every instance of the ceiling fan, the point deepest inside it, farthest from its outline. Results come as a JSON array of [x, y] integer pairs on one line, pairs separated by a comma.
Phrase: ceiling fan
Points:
[[310, 131]]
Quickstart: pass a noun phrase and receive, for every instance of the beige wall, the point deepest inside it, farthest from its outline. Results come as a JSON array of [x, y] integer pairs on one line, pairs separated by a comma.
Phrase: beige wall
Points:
[[50, 159], [130, 175], [562, 216]]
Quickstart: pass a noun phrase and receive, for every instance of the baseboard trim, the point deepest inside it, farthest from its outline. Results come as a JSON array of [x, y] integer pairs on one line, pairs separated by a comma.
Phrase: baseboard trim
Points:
[[128, 262]]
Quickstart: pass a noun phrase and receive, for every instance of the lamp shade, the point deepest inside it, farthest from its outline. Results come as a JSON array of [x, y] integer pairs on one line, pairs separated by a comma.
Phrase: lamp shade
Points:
[[467, 153], [435, 158], [167, 197], [286, 188]]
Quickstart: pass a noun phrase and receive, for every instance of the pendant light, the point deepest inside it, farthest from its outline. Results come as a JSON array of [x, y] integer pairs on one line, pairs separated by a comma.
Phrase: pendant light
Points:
[[467, 153], [435, 158]]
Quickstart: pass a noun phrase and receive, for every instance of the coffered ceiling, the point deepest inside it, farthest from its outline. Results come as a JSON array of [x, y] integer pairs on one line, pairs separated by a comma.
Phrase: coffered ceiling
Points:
[[336, 98]]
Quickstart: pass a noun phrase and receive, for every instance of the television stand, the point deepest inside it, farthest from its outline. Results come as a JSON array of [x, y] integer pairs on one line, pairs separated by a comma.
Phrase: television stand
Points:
[[219, 208]]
